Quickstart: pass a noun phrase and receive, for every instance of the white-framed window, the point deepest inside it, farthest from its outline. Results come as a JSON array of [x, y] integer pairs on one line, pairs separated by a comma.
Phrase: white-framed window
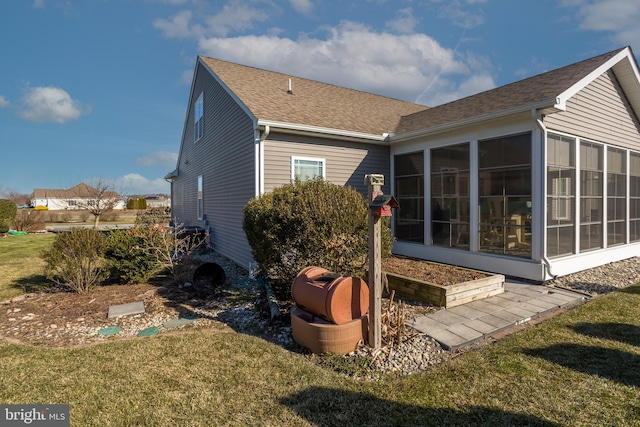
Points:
[[198, 118], [306, 168], [200, 205]]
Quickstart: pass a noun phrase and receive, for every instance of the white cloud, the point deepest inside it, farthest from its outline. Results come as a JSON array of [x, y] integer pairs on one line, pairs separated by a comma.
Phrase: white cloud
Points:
[[134, 183], [302, 6], [618, 17], [4, 102], [413, 67], [38, 4], [178, 27], [50, 104], [404, 23], [159, 158], [462, 14], [235, 16]]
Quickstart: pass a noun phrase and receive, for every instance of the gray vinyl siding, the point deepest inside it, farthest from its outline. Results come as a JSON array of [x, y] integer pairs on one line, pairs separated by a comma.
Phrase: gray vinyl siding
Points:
[[225, 158], [346, 162], [600, 112]]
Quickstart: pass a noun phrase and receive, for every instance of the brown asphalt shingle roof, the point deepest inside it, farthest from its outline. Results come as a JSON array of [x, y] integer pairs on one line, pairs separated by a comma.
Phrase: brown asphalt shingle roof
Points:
[[312, 103], [81, 190], [537, 88]]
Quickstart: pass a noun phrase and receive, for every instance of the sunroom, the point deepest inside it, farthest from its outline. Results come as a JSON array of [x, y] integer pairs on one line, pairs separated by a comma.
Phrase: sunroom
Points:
[[541, 189]]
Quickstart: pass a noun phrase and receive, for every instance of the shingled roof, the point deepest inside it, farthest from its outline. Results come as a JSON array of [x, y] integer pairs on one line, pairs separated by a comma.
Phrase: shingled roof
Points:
[[80, 191], [311, 103], [529, 91]]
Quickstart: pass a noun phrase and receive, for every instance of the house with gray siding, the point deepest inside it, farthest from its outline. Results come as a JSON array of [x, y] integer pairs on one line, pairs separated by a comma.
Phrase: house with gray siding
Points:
[[534, 179]]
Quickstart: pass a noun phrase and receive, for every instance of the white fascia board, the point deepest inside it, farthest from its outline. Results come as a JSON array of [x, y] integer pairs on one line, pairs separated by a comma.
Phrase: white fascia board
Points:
[[589, 78], [301, 129], [548, 106]]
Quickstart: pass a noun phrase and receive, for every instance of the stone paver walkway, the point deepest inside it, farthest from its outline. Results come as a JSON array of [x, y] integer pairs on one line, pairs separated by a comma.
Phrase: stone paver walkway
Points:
[[466, 324]]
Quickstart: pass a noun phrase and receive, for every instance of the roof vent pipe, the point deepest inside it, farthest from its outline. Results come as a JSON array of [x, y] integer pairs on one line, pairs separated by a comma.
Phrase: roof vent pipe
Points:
[[289, 91]]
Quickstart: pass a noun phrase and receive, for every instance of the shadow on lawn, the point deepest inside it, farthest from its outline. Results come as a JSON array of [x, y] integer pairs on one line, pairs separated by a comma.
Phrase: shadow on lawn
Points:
[[333, 407], [622, 332], [615, 365], [32, 283]]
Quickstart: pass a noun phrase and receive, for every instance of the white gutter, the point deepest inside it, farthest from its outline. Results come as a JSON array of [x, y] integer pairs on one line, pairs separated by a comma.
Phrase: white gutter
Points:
[[551, 104], [536, 117], [295, 128]]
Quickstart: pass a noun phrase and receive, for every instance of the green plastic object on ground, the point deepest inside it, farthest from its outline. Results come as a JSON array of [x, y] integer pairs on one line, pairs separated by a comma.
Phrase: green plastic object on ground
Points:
[[18, 233], [108, 331], [148, 332]]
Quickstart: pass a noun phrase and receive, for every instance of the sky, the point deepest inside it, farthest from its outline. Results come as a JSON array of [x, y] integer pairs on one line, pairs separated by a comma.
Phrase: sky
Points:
[[99, 89]]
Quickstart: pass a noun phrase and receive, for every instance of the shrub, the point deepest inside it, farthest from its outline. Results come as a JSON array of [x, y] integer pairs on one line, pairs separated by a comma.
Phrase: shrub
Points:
[[29, 221], [8, 210], [75, 259], [310, 223], [128, 256]]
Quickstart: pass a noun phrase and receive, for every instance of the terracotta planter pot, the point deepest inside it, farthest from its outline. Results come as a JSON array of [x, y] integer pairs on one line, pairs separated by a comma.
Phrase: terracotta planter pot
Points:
[[338, 299], [320, 336]]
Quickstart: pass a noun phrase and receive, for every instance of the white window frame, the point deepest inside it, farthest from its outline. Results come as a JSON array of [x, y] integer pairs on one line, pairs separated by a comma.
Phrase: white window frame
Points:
[[198, 118], [320, 161], [200, 199], [561, 206]]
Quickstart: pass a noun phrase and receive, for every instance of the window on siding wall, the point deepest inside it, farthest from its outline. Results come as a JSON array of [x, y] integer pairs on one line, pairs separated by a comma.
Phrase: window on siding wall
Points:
[[198, 118], [307, 168], [616, 196], [561, 171], [409, 189], [591, 195], [450, 196], [634, 197], [200, 206]]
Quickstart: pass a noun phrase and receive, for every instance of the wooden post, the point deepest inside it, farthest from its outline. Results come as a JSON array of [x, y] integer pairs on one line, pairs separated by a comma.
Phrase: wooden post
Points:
[[374, 183]]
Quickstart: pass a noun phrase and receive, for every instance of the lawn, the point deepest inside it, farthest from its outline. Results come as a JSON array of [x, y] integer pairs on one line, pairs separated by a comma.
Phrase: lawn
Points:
[[20, 264], [579, 368]]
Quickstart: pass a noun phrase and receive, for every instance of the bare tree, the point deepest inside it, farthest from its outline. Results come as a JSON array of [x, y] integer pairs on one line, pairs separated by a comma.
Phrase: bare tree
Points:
[[14, 196], [99, 199]]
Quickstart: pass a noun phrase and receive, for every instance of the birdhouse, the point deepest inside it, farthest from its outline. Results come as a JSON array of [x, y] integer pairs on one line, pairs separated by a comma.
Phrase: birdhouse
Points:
[[381, 206]]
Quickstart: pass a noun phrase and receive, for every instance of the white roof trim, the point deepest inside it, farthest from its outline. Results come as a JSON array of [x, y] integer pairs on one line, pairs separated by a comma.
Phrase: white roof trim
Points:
[[589, 78], [318, 130], [550, 105]]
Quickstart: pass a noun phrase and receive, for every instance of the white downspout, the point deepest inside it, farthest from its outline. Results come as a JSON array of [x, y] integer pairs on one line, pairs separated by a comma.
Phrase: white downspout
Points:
[[543, 129], [263, 138]]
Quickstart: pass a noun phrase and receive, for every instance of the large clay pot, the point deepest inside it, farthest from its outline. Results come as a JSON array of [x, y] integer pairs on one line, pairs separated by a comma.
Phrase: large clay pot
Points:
[[338, 299], [320, 336]]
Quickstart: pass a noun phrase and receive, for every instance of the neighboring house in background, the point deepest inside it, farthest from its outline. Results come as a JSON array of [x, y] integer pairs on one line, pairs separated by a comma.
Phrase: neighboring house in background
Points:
[[534, 179], [158, 201], [82, 196]]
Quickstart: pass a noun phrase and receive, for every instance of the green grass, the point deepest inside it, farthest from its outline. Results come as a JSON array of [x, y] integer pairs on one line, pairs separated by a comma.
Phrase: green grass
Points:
[[20, 263], [581, 368]]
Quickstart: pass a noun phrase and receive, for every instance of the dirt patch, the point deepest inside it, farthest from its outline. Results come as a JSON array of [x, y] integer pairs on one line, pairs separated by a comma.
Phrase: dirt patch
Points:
[[58, 318], [439, 274]]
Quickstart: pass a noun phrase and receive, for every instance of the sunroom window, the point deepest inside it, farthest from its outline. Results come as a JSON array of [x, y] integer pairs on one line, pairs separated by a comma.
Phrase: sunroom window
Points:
[[504, 191], [409, 189], [591, 195], [450, 196], [561, 172]]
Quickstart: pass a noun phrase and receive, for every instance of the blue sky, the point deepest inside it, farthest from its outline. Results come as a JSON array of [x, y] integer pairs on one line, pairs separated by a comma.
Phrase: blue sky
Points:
[[98, 89]]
